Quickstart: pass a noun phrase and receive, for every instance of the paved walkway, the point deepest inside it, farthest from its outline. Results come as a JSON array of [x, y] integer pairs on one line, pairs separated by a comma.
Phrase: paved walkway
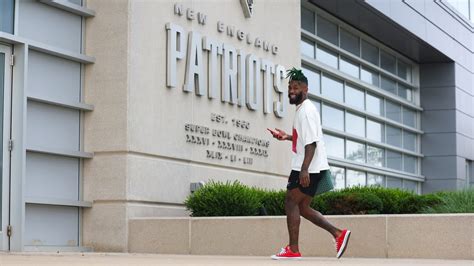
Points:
[[70, 259]]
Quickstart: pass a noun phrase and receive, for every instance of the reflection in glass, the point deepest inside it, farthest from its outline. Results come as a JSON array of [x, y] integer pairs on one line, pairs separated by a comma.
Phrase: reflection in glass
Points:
[[375, 156], [374, 104], [393, 182], [394, 136], [404, 71], [338, 175], [405, 92], [307, 48], [6, 15], [410, 185], [307, 19], [334, 146], [369, 76], [313, 80], [394, 111], [349, 67], [375, 180], [333, 117], [370, 53], [387, 62], [326, 56], [354, 97], [355, 178], [409, 164], [355, 151], [375, 131], [388, 85], [355, 124], [327, 30], [317, 104], [394, 160], [333, 88], [409, 140], [350, 42], [409, 117]]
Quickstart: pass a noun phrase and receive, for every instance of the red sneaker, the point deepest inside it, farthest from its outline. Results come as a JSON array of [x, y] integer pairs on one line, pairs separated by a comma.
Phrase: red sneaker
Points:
[[287, 254], [341, 242]]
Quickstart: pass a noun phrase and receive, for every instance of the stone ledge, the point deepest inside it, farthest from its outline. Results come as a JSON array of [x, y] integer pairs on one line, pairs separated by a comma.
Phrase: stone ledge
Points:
[[438, 236]]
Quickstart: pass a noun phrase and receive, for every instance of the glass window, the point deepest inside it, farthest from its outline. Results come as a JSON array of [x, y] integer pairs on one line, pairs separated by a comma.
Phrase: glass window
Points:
[[355, 151], [375, 131], [355, 178], [387, 62], [394, 136], [410, 185], [327, 30], [374, 104], [404, 71], [317, 104], [338, 175], [409, 163], [405, 92], [375, 180], [333, 117], [388, 85], [307, 19], [394, 111], [307, 48], [334, 146], [326, 56], [350, 42], [355, 124], [409, 141], [393, 182], [370, 53], [333, 88], [409, 117], [369, 76], [354, 97], [349, 67], [375, 156], [394, 160], [313, 80], [6, 17]]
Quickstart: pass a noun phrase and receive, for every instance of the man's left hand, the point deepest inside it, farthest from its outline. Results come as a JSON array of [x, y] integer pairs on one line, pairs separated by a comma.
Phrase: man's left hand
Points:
[[304, 178]]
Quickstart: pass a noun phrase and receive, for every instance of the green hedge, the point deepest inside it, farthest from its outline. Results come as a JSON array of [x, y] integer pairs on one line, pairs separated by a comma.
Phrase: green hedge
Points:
[[235, 199]]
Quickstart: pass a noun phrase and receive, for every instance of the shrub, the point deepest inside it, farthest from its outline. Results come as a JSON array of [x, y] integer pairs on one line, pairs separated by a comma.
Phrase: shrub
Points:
[[273, 201], [224, 199], [453, 202], [351, 202]]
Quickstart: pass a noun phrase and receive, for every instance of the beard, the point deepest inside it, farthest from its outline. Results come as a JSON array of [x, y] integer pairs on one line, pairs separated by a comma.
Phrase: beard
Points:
[[298, 98]]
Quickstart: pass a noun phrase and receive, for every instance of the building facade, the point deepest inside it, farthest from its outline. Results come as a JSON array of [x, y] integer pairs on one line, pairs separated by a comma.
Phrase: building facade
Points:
[[119, 109]]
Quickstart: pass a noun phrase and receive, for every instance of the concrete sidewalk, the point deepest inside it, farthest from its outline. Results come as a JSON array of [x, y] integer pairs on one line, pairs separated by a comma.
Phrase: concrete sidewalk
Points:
[[152, 259]]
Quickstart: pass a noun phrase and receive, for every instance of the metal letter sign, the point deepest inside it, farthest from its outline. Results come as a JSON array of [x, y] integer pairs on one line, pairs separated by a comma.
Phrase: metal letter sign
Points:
[[247, 6]]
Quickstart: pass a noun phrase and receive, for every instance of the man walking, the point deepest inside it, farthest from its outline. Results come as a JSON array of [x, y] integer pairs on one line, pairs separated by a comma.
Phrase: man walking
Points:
[[309, 160]]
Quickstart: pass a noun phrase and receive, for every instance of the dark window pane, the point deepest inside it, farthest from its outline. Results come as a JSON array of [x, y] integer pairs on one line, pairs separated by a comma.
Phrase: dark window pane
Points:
[[350, 42], [370, 53], [387, 62], [307, 19], [388, 85], [6, 15], [327, 30]]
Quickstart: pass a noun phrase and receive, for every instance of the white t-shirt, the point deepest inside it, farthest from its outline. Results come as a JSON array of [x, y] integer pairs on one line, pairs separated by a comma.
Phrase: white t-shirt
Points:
[[306, 130]]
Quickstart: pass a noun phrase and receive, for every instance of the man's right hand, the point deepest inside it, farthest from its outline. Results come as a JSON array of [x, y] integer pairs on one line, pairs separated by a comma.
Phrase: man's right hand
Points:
[[278, 134]]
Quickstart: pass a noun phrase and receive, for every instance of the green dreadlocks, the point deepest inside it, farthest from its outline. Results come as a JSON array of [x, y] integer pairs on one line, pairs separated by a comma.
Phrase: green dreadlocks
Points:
[[297, 75]]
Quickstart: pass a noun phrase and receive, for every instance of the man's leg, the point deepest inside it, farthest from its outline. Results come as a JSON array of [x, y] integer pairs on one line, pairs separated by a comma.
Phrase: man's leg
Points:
[[292, 201], [316, 217]]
